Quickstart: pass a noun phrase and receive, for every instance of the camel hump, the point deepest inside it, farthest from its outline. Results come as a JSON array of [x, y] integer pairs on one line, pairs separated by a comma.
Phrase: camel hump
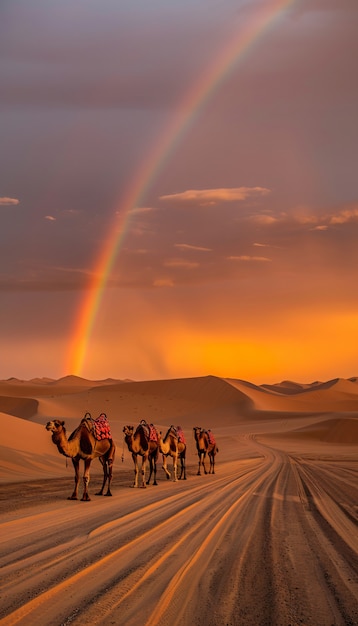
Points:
[[149, 430], [144, 426]]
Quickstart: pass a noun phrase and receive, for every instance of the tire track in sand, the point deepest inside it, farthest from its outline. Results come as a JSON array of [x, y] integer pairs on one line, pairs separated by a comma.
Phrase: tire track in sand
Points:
[[246, 547]]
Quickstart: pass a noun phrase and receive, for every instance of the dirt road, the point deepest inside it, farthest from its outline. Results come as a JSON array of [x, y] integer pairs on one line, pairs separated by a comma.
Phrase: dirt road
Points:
[[270, 539]]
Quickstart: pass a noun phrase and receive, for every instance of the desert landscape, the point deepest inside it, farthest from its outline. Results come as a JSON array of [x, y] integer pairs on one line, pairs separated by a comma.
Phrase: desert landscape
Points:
[[269, 539]]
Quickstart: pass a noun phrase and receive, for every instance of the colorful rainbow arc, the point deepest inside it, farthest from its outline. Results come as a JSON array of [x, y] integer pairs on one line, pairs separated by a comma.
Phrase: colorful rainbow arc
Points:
[[184, 116]]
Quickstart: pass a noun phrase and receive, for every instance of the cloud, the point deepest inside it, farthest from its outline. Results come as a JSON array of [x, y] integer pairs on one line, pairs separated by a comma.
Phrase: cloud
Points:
[[204, 197], [316, 222], [305, 219], [264, 219], [141, 230], [186, 246], [50, 218], [320, 227], [9, 201], [140, 210], [346, 215], [163, 282], [260, 259], [138, 250]]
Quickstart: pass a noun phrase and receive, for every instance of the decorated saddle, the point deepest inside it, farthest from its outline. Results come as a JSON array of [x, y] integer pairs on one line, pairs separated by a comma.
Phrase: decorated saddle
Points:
[[150, 430], [101, 428], [211, 437], [153, 435], [181, 437]]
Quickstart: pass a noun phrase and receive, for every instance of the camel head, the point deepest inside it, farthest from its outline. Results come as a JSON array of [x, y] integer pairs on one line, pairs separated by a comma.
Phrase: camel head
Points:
[[128, 431], [55, 426]]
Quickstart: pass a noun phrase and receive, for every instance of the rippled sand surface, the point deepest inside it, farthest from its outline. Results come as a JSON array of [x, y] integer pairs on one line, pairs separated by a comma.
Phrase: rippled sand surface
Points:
[[270, 539]]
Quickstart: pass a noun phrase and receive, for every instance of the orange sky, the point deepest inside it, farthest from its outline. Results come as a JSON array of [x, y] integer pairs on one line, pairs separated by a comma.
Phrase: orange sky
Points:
[[240, 257]]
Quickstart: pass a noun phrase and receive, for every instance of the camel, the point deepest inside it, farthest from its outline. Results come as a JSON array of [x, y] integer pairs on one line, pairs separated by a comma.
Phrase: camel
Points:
[[139, 444], [82, 445], [170, 446], [204, 447]]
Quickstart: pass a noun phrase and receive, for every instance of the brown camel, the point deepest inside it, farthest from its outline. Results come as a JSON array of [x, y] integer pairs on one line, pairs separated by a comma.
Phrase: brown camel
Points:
[[205, 447], [140, 444], [82, 444], [171, 446]]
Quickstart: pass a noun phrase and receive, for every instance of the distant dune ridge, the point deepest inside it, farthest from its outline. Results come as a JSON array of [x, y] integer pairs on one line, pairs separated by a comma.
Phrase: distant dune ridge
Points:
[[328, 412]]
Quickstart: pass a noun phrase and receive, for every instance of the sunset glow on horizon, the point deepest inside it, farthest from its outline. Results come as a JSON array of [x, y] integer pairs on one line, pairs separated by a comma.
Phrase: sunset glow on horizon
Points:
[[172, 210]]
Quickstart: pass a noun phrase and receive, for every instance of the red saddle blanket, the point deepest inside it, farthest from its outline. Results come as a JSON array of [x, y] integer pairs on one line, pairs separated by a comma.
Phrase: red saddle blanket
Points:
[[181, 436], [211, 438], [153, 435], [101, 428]]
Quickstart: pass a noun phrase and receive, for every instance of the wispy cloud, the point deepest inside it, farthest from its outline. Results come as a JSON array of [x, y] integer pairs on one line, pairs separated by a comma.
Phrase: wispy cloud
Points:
[[140, 210], [204, 197], [50, 218], [186, 246], [9, 201], [346, 215], [311, 219], [264, 219], [163, 282], [259, 259]]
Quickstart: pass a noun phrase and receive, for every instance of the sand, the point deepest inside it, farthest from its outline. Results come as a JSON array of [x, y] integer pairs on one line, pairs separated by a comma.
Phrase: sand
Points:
[[270, 539]]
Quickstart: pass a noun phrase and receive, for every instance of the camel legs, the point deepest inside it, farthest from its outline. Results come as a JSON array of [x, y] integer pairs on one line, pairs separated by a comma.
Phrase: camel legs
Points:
[[201, 456], [182, 468], [76, 465], [136, 470], [107, 475], [212, 463], [152, 470], [86, 479], [109, 466], [175, 467], [107, 470], [165, 466], [212, 455]]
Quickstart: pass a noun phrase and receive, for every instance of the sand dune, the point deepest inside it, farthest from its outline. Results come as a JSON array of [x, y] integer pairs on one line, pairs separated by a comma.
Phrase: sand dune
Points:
[[26, 451], [336, 395], [269, 539], [335, 430]]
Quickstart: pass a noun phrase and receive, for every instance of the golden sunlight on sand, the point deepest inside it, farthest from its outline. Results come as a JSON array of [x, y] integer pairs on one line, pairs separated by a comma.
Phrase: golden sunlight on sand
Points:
[[269, 539]]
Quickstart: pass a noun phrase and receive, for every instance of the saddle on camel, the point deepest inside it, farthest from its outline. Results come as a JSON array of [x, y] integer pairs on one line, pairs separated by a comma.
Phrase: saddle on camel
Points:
[[181, 436], [205, 445], [143, 442], [173, 445], [91, 439]]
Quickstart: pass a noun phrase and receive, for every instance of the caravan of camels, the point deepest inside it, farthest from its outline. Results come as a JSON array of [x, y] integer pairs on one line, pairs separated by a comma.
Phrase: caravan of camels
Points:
[[92, 439]]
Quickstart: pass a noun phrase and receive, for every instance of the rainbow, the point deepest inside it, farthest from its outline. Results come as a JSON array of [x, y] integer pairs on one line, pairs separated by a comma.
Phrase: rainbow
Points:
[[185, 114]]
